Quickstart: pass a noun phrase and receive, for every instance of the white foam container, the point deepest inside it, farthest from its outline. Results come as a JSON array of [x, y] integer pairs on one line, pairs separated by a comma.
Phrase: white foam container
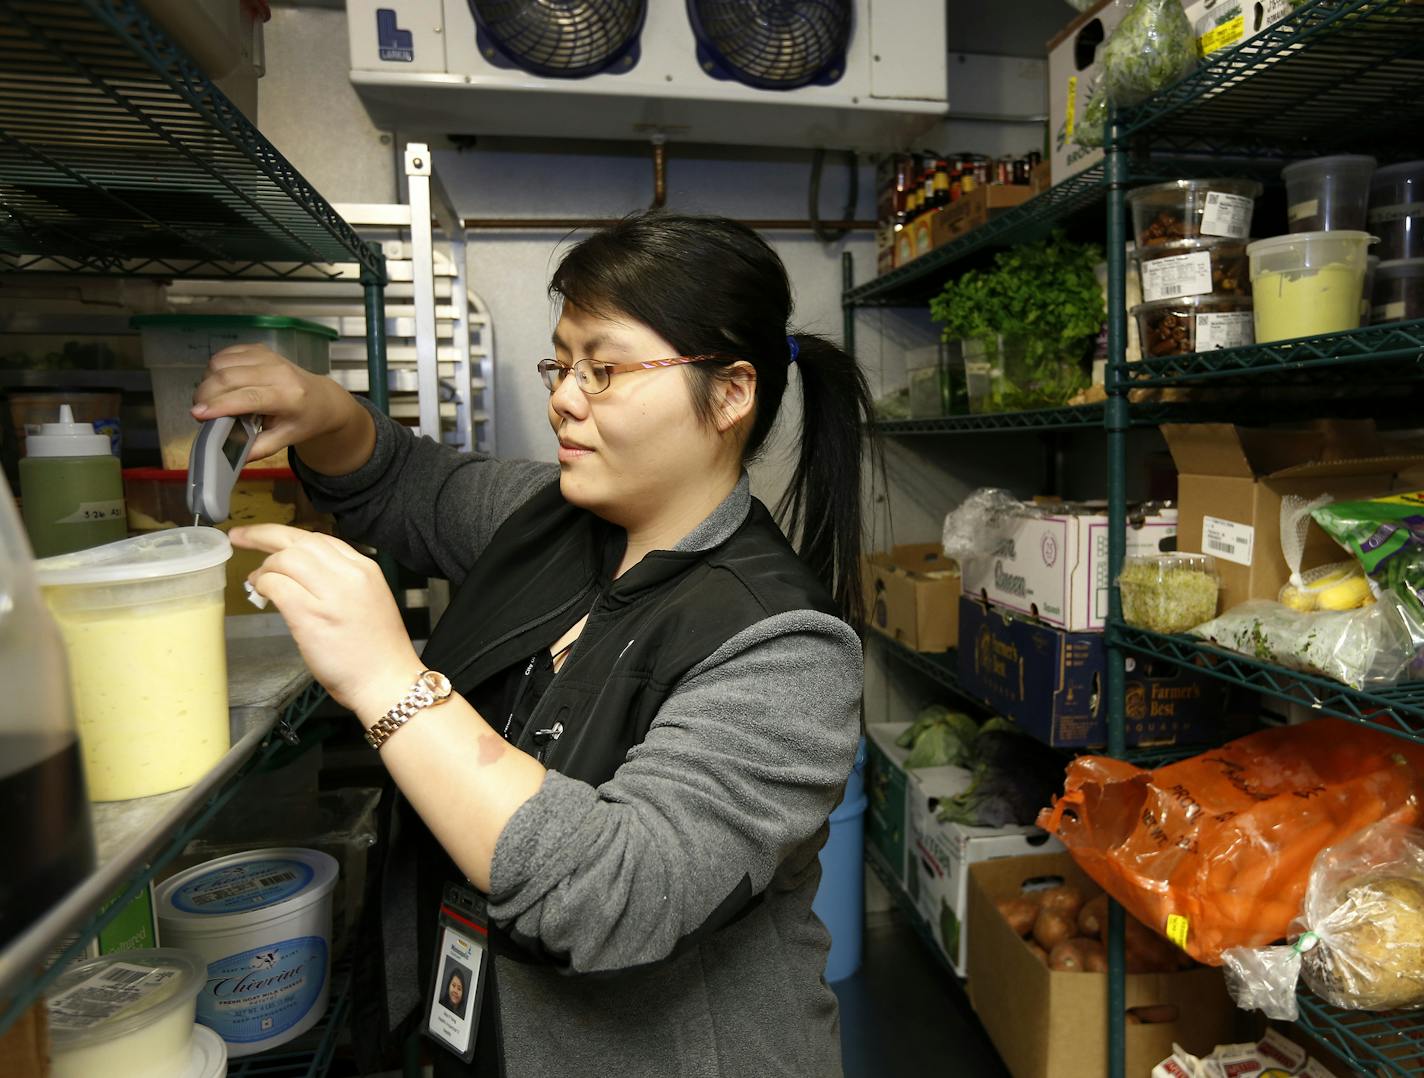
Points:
[[130, 1012], [209, 1056], [261, 921]]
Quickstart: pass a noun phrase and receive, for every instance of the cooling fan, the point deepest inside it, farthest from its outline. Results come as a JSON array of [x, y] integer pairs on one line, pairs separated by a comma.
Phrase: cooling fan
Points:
[[568, 39], [772, 44]]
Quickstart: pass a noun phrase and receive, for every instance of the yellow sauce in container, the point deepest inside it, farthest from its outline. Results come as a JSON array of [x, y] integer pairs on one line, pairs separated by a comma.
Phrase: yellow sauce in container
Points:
[[1308, 283]]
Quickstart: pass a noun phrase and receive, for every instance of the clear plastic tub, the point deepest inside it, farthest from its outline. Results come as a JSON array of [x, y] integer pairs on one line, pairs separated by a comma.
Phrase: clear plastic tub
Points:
[[1308, 283], [927, 392], [142, 622], [1398, 294], [1193, 268], [1397, 210], [177, 347], [1328, 194], [130, 1012], [1193, 209], [1169, 593], [1366, 301], [1171, 327]]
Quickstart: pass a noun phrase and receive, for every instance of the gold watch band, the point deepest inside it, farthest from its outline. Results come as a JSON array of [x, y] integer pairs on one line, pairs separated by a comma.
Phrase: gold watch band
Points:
[[430, 688]]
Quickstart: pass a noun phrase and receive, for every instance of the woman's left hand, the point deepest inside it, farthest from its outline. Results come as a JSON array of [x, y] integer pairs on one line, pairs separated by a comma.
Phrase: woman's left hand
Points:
[[340, 612]]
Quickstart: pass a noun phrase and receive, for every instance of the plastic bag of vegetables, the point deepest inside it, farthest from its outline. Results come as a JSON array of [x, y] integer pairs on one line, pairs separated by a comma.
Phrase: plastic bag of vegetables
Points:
[[1386, 536], [1214, 852], [1089, 131], [1151, 48], [1360, 939]]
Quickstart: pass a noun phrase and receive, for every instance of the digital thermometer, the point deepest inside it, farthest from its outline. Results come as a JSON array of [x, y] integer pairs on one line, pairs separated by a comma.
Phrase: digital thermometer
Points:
[[219, 452]]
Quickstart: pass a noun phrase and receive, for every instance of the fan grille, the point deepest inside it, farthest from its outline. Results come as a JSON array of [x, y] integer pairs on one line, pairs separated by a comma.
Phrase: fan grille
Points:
[[776, 43], [561, 37]]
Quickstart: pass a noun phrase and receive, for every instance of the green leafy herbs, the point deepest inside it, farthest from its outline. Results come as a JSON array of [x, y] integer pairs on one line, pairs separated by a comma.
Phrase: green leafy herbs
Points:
[[1151, 48], [1035, 315]]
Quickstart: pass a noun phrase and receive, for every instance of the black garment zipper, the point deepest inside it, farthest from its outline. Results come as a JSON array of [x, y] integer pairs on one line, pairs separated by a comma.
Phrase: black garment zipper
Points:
[[545, 738]]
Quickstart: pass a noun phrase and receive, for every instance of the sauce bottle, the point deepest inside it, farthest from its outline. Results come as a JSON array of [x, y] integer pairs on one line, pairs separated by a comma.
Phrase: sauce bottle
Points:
[[72, 488]]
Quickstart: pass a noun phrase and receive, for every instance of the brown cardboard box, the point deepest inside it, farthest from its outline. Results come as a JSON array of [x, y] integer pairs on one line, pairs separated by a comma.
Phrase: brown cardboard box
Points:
[[24, 1047], [921, 612], [975, 209], [1042, 178], [1231, 479], [1049, 1024]]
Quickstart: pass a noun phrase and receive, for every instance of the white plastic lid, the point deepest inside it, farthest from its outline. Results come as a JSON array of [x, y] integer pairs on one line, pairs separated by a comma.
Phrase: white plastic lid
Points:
[[209, 1058], [245, 889], [168, 553], [1400, 268], [117, 994], [67, 439]]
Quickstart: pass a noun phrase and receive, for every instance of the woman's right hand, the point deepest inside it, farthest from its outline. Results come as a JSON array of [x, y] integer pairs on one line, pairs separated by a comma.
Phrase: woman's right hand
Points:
[[297, 407]]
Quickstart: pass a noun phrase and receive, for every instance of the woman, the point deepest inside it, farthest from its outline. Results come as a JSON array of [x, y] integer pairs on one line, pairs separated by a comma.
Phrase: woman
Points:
[[656, 701]]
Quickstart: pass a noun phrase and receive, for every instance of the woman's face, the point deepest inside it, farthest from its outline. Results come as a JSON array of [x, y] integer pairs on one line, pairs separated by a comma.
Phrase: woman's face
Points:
[[628, 451], [457, 989]]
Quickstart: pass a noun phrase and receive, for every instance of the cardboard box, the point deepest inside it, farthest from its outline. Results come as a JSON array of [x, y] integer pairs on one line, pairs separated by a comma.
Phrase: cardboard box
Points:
[[1223, 24], [975, 209], [937, 873], [1055, 567], [884, 248], [1042, 178], [1049, 1024], [1232, 479], [906, 603], [886, 825], [1052, 684]]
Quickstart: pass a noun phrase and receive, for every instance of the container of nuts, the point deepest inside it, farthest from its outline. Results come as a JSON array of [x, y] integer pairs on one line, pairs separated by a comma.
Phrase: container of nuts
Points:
[[1172, 327], [1194, 268], [1193, 209]]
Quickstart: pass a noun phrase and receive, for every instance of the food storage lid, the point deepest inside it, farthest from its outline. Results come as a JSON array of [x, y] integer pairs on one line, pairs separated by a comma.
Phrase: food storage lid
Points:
[[1400, 269], [1173, 189], [145, 557], [1166, 564], [1405, 171], [1309, 250], [231, 321], [245, 889], [209, 1058], [1336, 163], [1225, 301], [117, 994], [1226, 244], [67, 439]]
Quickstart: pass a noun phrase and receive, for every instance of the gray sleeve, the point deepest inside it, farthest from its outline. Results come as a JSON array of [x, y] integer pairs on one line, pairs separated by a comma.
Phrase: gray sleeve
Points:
[[431, 507], [743, 763]]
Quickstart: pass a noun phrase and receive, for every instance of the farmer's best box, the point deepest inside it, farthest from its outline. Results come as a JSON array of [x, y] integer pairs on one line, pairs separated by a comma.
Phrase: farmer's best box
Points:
[[1053, 684], [886, 825], [912, 596], [1052, 1024], [1232, 479]]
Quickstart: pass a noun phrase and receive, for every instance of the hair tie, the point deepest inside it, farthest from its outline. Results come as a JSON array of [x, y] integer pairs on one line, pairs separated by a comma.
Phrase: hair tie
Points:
[[795, 349]]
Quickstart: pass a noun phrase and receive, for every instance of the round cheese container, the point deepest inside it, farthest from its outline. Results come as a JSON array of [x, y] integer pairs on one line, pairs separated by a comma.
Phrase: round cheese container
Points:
[[209, 1055], [130, 1012], [262, 922]]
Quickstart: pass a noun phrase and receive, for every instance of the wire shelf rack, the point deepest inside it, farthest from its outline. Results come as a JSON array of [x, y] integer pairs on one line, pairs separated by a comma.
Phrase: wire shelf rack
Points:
[[118, 156], [1391, 1043]]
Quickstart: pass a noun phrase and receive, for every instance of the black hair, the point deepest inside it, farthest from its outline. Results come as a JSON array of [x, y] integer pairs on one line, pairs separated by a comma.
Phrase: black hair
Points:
[[712, 285]]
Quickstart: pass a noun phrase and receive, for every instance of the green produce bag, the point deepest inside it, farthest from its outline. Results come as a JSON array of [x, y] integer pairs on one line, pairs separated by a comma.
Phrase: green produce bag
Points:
[[1386, 536], [1151, 48]]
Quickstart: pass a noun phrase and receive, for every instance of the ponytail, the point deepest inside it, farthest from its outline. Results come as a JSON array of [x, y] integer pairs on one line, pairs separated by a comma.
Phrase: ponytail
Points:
[[822, 503]]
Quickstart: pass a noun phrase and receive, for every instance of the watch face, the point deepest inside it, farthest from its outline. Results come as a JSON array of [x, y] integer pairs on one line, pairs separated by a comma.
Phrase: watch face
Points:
[[437, 683]]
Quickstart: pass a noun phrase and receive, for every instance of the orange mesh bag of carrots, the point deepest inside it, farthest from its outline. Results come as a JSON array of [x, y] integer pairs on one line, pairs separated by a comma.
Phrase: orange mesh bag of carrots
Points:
[[1215, 851]]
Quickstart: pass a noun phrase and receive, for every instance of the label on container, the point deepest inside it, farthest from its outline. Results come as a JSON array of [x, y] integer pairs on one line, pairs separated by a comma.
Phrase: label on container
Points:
[[118, 987], [1226, 329], [1072, 108], [1227, 215], [260, 994], [1309, 208], [241, 887], [1389, 312], [1380, 215], [1228, 540], [89, 512], [1219, 37], [1177, 929], [1177, 276]]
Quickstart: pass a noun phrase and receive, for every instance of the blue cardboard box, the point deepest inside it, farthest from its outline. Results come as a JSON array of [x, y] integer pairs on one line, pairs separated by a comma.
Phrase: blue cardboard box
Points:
[[1052, 684]]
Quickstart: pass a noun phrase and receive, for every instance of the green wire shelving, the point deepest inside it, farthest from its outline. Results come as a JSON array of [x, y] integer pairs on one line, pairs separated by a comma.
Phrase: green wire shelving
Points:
[[1388, 1044]]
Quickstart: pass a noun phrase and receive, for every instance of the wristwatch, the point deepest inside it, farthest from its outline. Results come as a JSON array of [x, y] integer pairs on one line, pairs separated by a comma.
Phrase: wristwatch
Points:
[[430, 688]]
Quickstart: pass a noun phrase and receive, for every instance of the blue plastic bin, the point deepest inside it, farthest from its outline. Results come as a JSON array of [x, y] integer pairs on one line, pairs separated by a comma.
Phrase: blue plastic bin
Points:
[[840, 900]]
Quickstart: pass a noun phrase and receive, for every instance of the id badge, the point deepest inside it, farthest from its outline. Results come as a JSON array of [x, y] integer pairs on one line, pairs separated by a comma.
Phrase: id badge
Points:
[[461, 957]]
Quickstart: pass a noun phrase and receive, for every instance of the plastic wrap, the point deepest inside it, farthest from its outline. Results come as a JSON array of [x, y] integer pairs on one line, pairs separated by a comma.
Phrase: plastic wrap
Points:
[[1151, 48], [1360, 942], [1386, 536], [981, 523], [1214, 852]]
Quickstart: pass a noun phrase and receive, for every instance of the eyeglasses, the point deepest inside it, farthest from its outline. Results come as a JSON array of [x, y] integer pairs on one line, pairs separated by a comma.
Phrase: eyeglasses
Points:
[[593, 377]]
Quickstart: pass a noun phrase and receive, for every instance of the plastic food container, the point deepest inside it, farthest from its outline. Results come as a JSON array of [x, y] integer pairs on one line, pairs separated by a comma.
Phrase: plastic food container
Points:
[[1328, 194], [209, 1055], [130, 1012], [1193, 268], [1366, 299], [177, 347], [1193, 209], [1169, 593], [30, 409], [1397, 210], [1171, 327], [1308, 283], [262, 922], [927, 392], [1399, 291], [142, 622]]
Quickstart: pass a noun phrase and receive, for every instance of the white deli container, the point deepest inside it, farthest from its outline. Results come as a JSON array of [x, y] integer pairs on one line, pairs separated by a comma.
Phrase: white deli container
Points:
[[130, 1012], [209, 1056], [1307, 283], [142, 622], [262, 922]]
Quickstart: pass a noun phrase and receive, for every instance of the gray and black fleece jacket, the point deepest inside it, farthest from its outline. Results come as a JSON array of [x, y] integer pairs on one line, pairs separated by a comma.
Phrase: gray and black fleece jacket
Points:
[[733, 781]]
